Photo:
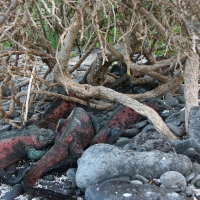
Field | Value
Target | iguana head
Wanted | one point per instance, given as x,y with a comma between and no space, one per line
46,136
42,137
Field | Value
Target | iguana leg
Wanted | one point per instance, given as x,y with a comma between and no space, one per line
35,154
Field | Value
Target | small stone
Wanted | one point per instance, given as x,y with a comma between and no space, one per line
177,130
195,179
174,119
170,100
180,90
181,99
122,141
182,116
189,177
148,127
71,173
189,191
6,127
136,182
174,188
130,132
48,177
173,178
165,113
140,178
156,182
127,147
14,192
141,124
196,168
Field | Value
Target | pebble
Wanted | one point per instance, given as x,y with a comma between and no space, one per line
130,132
14,192
165,113
136,182
172,178
175,129
182,116
189,191
174,119
189,177
156,182
181,99
141,124
6,127
149,127
180,90
195,179
170,100
140,178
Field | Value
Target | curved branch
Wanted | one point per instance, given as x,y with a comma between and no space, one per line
107,93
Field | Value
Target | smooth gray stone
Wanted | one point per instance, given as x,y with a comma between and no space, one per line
103,161
194,123
122,141
125,191
180,89
182,116
6,127
181,99
148,127
172,178
170,100
175,129
189,191
189,177
130,132
141,178
174,119
196,168
14,192
165,113
141,124
195,179
136,182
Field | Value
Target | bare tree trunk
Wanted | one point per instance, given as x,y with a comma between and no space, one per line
191,84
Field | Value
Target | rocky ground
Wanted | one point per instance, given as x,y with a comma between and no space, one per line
141,164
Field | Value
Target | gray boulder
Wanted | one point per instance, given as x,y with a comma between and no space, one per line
124,191
103,161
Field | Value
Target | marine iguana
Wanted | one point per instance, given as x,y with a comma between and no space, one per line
76,134
120,120
15,144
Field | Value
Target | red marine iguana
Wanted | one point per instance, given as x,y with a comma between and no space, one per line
76,135
14,146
